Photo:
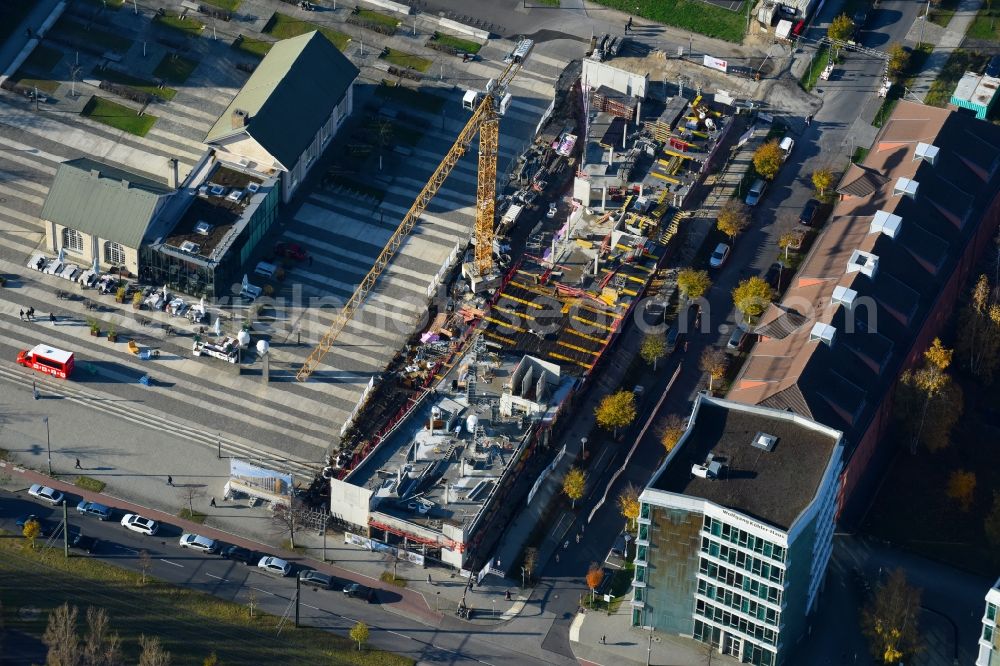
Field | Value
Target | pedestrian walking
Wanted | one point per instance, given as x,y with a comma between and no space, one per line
212,503
22,314
506,595
629,28
565,544
604,640
52,318
809,120
31,313
78,466
170,480
429,581
578,538
34,390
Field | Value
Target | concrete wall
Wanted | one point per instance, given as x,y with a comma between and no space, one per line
596,74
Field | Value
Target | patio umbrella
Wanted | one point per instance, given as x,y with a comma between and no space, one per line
164,292
97,266
218,327
246,282
62,255
201,306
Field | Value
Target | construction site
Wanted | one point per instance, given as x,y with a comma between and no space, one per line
460,426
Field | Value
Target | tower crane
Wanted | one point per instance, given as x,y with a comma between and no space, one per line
486,121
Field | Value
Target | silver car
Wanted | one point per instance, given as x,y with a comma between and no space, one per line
198,542
756,192
274,565
46,494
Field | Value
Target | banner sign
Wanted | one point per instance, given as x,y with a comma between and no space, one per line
715,63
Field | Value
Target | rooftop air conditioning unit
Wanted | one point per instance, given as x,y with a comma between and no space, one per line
822,333
926,152
885,223
202,228
188,246
905,186
763,441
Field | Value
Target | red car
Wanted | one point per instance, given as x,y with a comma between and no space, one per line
291,250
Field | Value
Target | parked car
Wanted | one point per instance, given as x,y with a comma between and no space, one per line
756,192
786,145
808,214
719,256
136,523
274,565
993,66
240,554
317,578
46,494
673,335
94,509
358,591
85,543
738,338
198,542
777,276
44,530
552,211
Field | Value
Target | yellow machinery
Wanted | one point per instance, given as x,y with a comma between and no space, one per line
486,121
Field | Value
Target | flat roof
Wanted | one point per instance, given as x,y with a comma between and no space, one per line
966,87
771,486
57,355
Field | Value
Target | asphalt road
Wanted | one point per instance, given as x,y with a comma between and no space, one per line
448,643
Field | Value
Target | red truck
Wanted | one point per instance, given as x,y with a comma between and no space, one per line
49,360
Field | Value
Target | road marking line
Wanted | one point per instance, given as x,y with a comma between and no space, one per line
225,580
308,606
260,590
173,563
396,633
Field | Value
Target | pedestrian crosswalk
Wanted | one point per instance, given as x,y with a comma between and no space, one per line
342,232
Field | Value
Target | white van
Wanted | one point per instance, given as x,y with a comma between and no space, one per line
786,146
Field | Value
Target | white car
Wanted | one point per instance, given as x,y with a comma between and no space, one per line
46,494
553,209
137,523
719,256
275,565
198,542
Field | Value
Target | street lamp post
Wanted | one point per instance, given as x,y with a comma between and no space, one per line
583,447
494,609
48,443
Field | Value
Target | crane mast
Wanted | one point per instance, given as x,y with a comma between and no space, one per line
486,121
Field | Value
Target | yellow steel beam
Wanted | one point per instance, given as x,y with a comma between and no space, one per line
486,191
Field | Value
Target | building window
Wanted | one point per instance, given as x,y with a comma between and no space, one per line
987,633
644,511
114,253
640,554
72,240
991,611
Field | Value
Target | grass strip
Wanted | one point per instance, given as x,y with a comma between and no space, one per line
46,85
108,41
184,24
114,76
457,43
378,18
410,98
42,59
228,5
255,47
407,60
189,624
118,116
175,68
986,26
816,66
282,26
193,516
88,483
693,15
942,13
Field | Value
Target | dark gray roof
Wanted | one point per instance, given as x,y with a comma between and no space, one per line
771,486
289,96
859,181
103,200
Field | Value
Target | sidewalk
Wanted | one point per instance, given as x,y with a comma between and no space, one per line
14,46
948,40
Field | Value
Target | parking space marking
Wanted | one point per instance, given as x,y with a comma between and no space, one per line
173,563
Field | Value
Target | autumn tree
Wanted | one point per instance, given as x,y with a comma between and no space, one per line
767,159
693,284
616,410
60,637
101,646
530,561
890,619
673,428
751,297
899,59
978,343
822,180
595,574
733,218
991,526
152,653
32,530
628,504
962,488
211,660
713,361
786,241
574,483
359,633
841,28
928,403
653,348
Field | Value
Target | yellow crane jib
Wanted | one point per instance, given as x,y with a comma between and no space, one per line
485,120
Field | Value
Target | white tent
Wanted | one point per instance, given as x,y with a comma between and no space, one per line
62,255
218,327
97,266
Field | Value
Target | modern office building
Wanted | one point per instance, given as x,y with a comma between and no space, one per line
989,641
736,529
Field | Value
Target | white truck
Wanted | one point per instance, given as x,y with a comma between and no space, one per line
225,349
510,217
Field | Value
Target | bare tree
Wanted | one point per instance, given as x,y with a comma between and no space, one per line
145,564
101,647
530,560
289,520
153,653
61,638
188,495
251,601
